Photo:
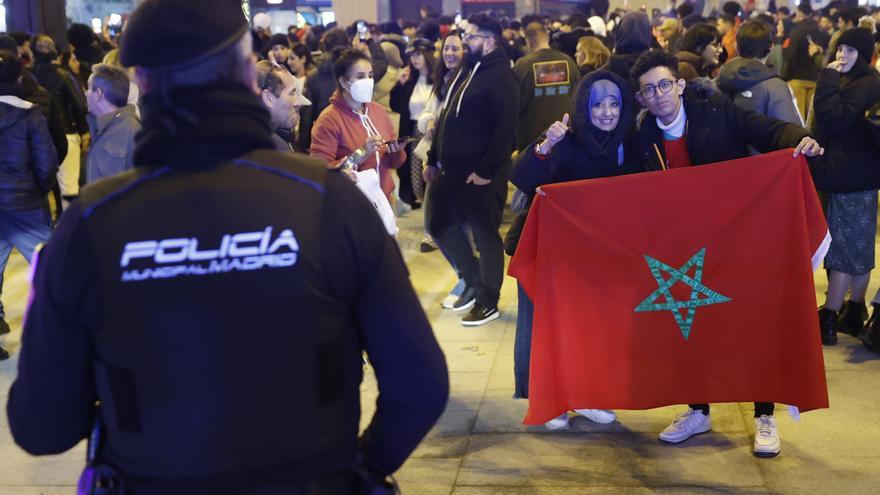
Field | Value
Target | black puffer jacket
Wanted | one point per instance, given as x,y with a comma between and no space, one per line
28,162
66,91
717,130
850,163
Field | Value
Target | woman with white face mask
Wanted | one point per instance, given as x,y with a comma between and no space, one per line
353,132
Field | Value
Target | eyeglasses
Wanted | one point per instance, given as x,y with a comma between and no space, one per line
663,87
265,85
468,37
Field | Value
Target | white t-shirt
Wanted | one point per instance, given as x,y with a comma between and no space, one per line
419,99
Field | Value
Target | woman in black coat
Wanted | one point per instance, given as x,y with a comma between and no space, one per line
845,90
586,144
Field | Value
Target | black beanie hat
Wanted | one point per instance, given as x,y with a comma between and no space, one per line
861,39
278,39
168,33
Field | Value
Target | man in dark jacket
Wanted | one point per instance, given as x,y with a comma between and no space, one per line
469,164
30,90
633,36
64,88
801,68
27,172
750,83
684,127
142,296
547,79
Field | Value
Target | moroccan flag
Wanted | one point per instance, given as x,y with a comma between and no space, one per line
692,285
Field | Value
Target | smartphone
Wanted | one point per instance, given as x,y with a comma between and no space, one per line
402,141
362,30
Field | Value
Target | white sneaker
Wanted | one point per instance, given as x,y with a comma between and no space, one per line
560,423
600,416
766,437
686,425
449,301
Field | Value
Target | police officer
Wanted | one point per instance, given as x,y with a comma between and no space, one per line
216,299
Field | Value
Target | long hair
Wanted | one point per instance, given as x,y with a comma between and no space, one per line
440,70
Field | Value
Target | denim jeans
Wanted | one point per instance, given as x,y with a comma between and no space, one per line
23,230
522,344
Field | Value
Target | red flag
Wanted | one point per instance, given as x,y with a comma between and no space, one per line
691,285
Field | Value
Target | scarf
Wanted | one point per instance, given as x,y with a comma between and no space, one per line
199,126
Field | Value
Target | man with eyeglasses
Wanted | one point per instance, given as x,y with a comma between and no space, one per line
470,163
688,126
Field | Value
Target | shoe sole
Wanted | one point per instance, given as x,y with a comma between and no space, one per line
465,307
598,421
766,455
674,442
561,428
830,342
483,321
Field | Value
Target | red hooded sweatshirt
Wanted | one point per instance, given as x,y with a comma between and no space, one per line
340,130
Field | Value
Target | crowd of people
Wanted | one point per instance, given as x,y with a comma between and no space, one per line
437,114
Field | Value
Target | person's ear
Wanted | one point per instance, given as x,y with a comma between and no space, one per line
641,100
680,84
268,98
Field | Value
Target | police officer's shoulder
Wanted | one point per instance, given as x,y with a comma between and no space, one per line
297,166
103,190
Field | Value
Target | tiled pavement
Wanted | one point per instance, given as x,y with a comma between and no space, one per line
480,446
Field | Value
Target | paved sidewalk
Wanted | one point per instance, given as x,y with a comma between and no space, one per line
480,446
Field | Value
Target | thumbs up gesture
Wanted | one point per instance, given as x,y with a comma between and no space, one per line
554,134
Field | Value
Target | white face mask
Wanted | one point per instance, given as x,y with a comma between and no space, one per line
362,90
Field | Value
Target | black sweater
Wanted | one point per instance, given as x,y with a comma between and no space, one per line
478,127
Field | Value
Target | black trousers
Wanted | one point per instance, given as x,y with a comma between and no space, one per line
450,203
761,408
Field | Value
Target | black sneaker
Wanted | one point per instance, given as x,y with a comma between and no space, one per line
4,327
871,334
466,300
480,315
3,354
828,326
427,245
852,318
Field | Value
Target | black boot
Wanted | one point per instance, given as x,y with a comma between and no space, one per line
852,318
871,334
827,324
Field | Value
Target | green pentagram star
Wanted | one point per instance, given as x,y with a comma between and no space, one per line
685,323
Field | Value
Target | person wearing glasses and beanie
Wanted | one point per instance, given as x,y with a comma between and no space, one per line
686,126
